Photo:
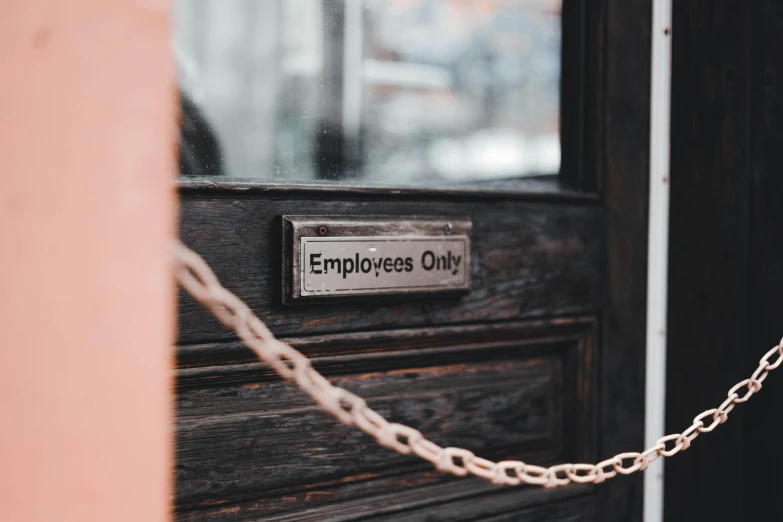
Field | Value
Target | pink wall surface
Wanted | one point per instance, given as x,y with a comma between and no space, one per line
87,213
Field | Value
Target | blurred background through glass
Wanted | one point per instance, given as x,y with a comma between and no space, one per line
374,91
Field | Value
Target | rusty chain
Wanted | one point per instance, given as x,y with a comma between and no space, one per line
198,279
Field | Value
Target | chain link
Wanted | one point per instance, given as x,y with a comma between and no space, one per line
198,279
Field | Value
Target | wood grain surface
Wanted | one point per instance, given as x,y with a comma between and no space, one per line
512,391
529,260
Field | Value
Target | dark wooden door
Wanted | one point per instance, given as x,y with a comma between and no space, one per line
726,267
542,361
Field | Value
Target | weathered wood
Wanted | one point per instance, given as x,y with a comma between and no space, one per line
529,260
242,434
540,251
281,439
574,94
549,505
593,71
626,142
543,188
453,500
707,321
364,344
763,459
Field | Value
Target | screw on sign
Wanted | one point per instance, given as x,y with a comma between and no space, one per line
198,279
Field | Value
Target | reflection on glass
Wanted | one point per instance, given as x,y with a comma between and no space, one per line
387,91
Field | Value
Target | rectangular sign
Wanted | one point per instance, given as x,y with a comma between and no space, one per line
336,257
366,264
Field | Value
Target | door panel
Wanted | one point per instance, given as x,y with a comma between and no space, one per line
453,367
543,360
725,263
530,259
506,391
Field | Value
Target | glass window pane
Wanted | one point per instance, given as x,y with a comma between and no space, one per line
377,91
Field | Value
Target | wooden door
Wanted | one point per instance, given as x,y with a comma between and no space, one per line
726,268
542,360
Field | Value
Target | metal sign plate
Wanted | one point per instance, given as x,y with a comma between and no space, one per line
340,257
350,265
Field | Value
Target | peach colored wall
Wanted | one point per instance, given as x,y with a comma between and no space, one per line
86,299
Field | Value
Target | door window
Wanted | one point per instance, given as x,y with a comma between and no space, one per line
391,92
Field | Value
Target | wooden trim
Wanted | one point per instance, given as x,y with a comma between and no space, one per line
574,94
624,156
547,188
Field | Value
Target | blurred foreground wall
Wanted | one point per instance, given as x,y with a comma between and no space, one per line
86,214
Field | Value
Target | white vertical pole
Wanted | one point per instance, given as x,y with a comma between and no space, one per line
658,251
